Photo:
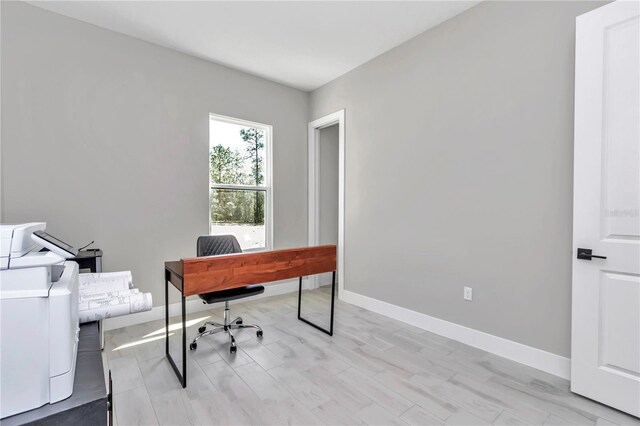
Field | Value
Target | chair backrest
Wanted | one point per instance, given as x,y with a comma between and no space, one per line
213,245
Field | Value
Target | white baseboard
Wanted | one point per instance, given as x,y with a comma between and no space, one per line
192,305
536,358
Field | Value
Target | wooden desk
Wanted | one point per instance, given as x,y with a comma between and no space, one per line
200,275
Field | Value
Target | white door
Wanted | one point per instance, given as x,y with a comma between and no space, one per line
605,346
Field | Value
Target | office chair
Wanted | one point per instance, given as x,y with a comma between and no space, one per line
215,245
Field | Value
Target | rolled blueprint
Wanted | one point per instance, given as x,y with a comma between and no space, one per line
111,294
110,281
83,297
95,310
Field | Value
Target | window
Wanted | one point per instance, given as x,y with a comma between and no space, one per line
240,181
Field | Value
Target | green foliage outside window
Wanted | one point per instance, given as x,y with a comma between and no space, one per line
228,167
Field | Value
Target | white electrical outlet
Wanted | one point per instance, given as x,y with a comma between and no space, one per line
468,293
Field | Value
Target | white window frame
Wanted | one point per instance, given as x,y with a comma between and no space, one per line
268,178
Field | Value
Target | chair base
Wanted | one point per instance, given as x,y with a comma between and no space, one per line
227,327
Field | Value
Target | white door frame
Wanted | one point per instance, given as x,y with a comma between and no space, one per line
314,193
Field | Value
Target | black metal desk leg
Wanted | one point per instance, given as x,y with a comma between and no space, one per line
181,376
299,296
184,342
333,300
166,315
333,293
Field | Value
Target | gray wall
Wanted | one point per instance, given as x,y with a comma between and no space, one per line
105,137
459,153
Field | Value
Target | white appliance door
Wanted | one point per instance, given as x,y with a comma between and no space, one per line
605,346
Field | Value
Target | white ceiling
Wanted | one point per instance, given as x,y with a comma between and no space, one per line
303,44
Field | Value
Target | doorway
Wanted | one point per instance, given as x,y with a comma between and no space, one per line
327,188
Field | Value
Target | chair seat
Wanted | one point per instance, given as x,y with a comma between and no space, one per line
232,293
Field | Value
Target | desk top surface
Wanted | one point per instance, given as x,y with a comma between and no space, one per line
213,273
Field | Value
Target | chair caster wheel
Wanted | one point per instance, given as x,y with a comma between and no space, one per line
233,349
239,322
193,346
259,333
202,329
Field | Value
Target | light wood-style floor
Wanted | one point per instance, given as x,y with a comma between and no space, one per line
374,371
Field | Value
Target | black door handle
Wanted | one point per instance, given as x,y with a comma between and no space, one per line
585,254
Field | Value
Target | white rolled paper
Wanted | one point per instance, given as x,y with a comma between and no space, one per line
111,294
